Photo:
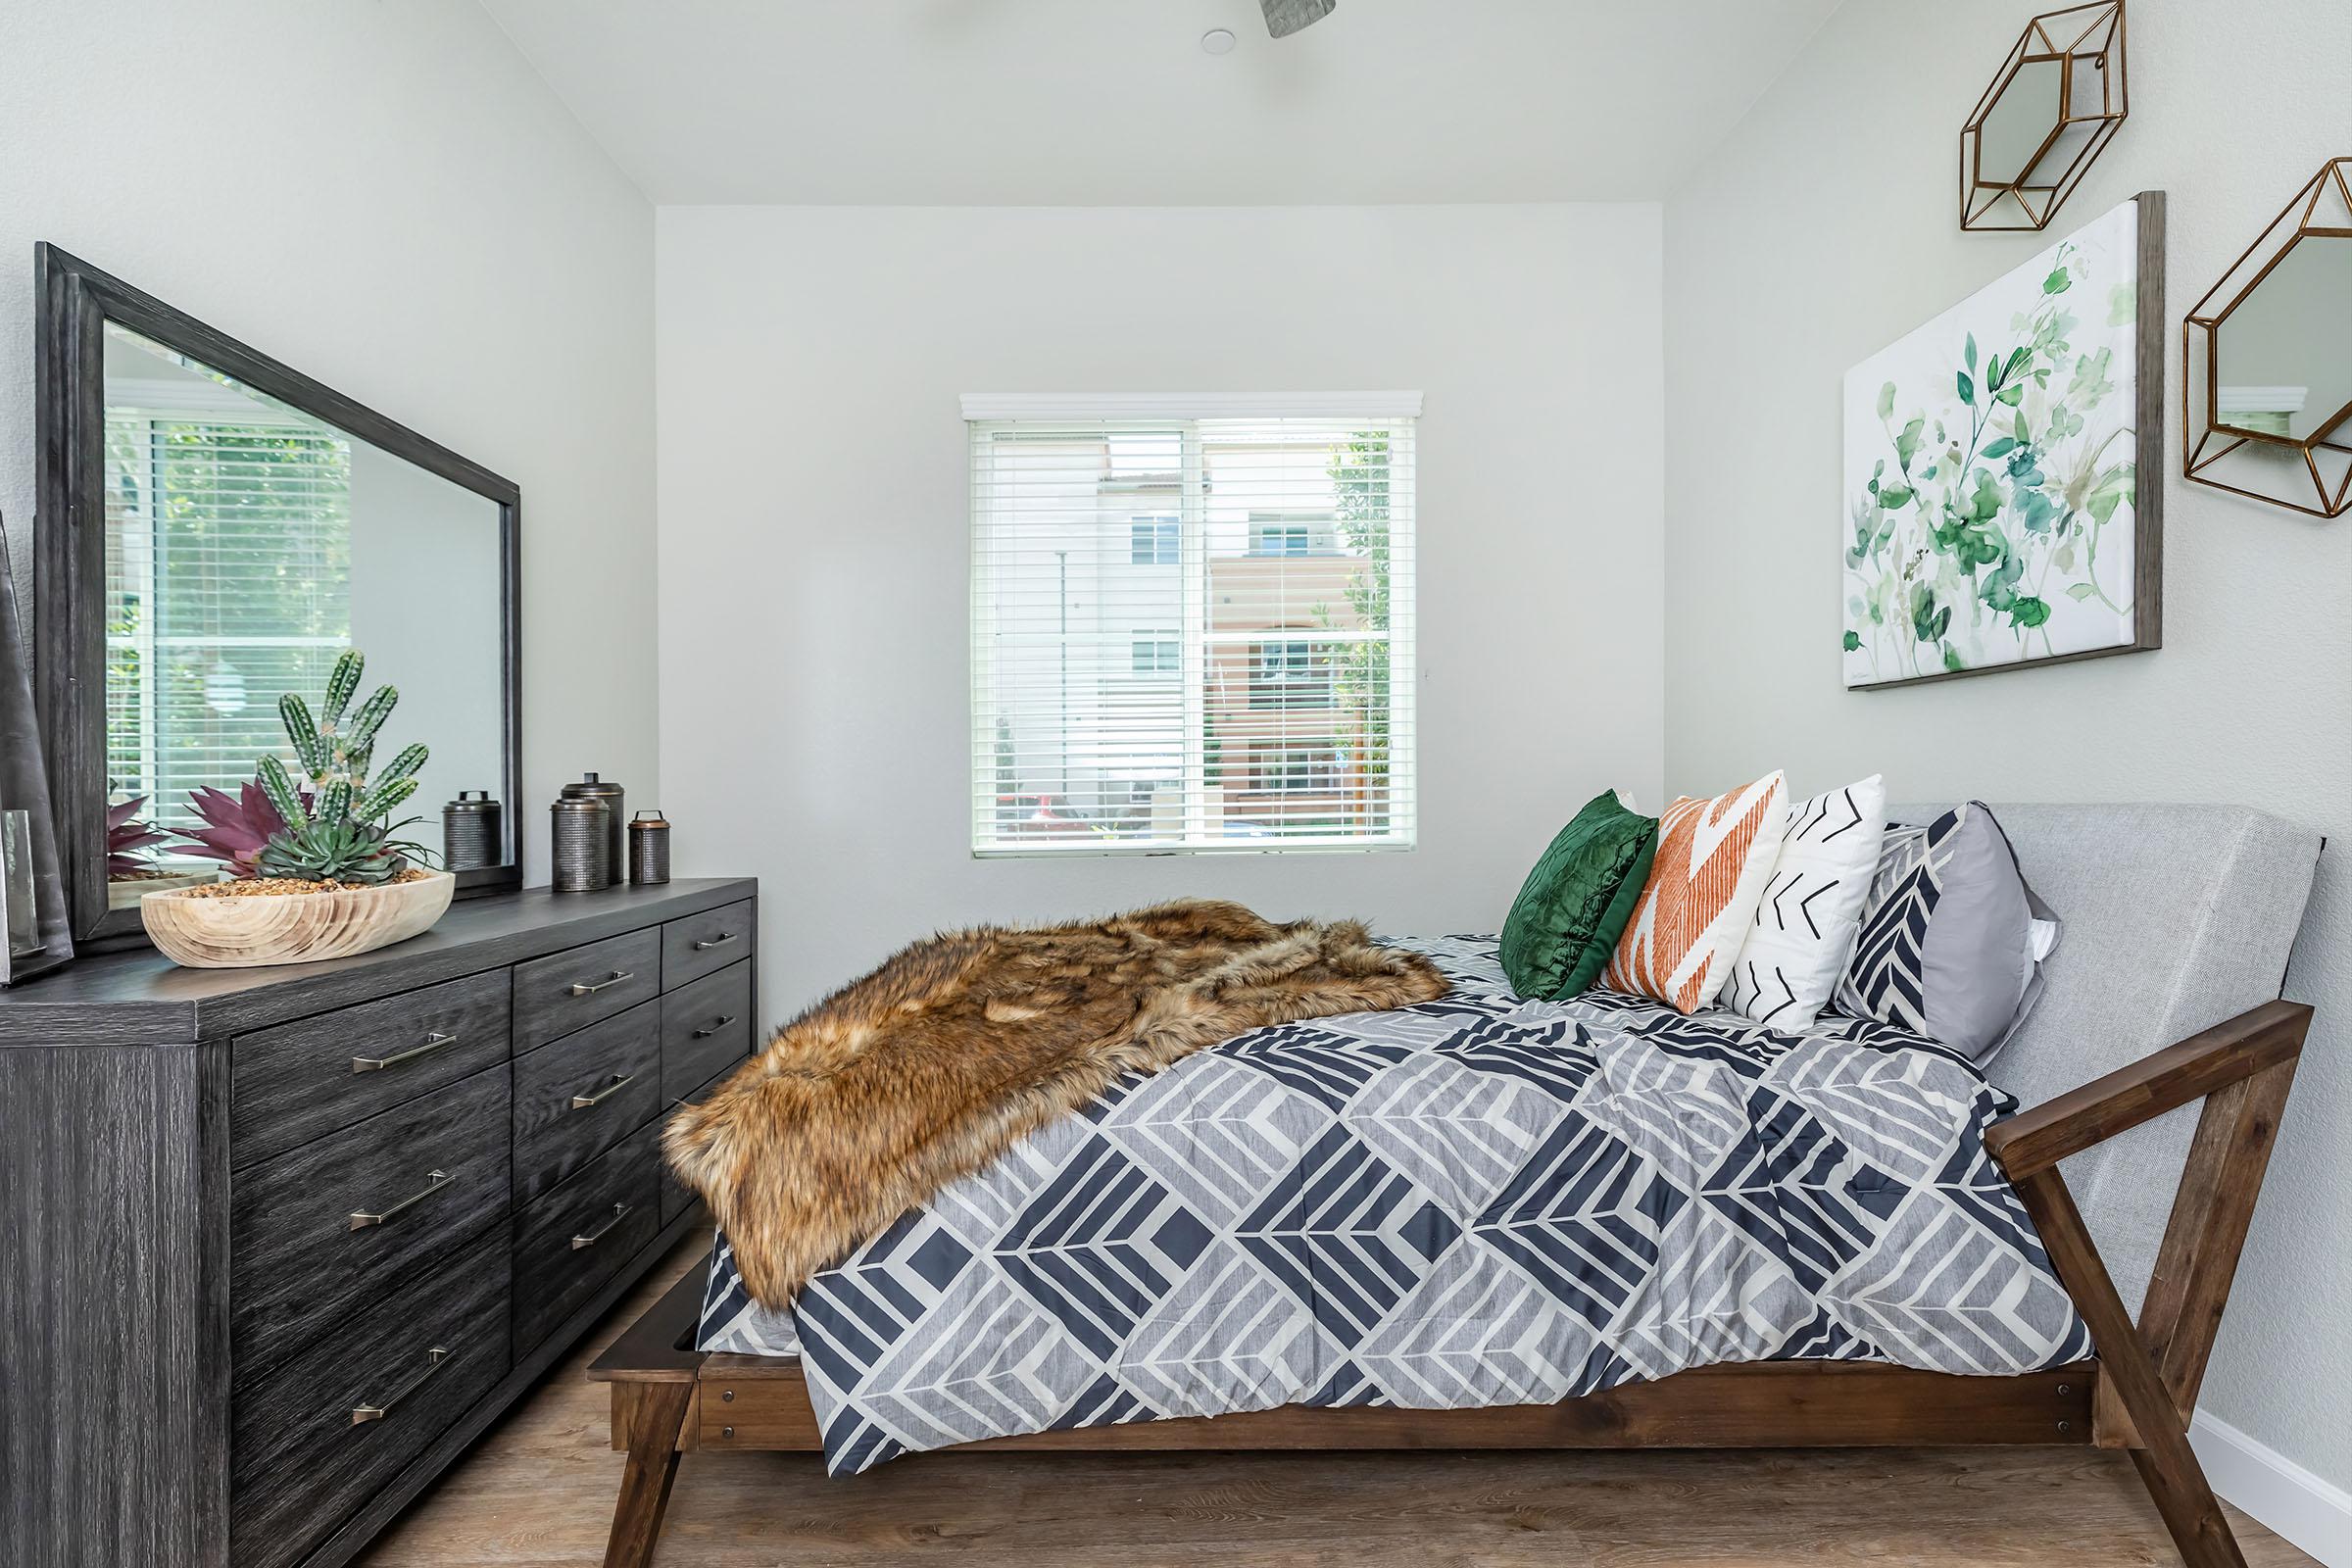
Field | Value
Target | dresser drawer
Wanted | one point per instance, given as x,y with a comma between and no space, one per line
696,946
290,1084
676,1196
578,1098
580,1235
706,1028
327,1230
567,990
307,1453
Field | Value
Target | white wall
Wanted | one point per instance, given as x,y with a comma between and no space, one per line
386,197
815,529
1825,229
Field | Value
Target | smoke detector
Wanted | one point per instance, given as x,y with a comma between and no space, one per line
1217,42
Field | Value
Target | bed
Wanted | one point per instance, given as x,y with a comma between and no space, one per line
1468,1203
1489,1223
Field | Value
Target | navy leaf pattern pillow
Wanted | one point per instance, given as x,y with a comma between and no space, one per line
1949,946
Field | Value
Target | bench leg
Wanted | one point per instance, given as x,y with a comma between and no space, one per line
2160,1448
658,1417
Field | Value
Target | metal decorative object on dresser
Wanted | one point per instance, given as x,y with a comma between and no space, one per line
281,1243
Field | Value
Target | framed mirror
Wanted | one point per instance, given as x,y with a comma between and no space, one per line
2056,102
214,529
2268,382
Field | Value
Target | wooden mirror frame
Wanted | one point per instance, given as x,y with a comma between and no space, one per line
74,303
2229,457
2093,33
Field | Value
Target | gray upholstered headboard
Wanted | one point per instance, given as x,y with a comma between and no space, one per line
2176,918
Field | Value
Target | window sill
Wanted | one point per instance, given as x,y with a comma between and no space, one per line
1080,850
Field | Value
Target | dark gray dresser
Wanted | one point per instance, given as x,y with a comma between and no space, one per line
275,1244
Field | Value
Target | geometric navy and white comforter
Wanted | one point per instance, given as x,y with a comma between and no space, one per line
1473,1201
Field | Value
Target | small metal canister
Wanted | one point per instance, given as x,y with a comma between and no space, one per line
649,848
582,844
473,831
593,788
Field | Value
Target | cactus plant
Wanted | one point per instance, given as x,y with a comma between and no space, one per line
334,826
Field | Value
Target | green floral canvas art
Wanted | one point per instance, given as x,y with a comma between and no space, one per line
1991,472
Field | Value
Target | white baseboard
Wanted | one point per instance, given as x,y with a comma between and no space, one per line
2312,1512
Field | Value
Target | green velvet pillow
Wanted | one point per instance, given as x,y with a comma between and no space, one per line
1576,902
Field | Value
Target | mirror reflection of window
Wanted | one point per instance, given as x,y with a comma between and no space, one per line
228,574
247,545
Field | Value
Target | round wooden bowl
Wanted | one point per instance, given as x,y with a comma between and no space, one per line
292,927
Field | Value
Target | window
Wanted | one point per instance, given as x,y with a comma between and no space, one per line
1290,674
1292,536
227,582
1309,770
1158,654
1153,541
1256,697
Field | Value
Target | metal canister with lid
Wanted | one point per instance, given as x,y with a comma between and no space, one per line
473,832
582,844
595,788
649,848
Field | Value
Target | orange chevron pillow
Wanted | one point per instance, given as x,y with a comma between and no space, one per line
1713,861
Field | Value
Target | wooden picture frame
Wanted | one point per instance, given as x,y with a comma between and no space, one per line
1963,415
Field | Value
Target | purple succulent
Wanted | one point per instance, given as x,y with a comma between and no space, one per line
237,827
125,837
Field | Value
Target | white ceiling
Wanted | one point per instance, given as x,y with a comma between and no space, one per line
1104,102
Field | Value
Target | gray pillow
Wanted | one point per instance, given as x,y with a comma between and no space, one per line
1951,938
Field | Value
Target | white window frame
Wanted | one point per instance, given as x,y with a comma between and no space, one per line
1372,408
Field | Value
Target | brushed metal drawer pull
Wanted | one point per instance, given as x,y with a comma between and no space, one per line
440,1178
720,941
437,1357
597,1097
588,1238
704,1034
432,1042
582,988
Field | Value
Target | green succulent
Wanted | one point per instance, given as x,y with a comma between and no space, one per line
334,817
350,853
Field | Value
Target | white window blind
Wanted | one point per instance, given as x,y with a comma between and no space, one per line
227,582
1192,633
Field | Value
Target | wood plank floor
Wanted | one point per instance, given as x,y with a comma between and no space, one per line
538,1491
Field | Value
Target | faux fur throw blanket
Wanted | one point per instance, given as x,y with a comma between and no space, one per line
957,1048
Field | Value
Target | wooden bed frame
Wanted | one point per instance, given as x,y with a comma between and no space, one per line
2137,1395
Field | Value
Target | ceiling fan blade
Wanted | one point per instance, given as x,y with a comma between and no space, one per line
1285,17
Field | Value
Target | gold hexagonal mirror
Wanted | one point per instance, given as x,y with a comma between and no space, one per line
2267,360
2054,105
